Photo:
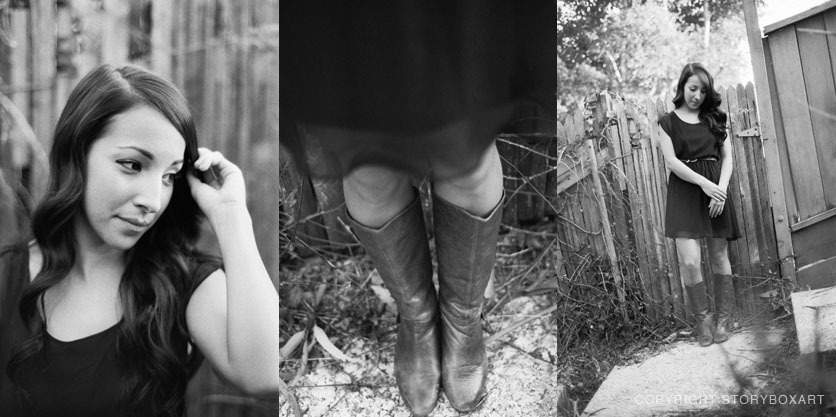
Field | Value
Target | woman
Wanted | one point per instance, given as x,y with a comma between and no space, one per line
693,142
110,309
396,92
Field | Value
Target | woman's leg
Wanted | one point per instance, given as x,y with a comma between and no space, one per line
375,194
718,250
386,216
477,192
690,268
466,214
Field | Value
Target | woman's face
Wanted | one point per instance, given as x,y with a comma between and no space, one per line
130,178
695,91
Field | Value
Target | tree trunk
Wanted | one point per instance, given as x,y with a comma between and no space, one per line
706,13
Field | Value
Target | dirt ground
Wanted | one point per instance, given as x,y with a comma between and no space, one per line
345,299
781,372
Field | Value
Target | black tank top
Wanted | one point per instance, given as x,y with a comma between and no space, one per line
77,378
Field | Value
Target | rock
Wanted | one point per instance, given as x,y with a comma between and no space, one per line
815,319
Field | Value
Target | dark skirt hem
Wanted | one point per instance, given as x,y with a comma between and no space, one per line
687,235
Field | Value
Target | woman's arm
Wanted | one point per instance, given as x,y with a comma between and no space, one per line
233,316
715,207
727,165
684,172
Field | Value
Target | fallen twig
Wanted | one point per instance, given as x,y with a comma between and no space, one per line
513,326
291,399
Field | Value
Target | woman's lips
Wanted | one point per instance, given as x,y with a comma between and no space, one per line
135,222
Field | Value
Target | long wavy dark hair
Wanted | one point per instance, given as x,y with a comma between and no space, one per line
710,113
152,342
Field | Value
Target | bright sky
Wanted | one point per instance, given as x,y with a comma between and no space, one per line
775,10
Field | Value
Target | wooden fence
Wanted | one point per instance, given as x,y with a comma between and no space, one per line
624,135
223,55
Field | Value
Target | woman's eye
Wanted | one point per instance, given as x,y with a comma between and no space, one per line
130,164
171,177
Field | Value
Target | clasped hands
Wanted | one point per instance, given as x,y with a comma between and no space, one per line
718,198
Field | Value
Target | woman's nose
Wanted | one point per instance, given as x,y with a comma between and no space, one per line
149,196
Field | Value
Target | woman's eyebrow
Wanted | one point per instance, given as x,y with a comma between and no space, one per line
147,154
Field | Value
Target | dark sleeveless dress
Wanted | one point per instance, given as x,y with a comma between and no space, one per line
77,378
399,82
687,214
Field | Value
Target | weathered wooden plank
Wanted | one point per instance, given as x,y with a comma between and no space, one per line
636,211
751,161
775,149
815,243
670,245
746,207
592,219
263,154
742,267
746,120
615,177
658,172
651,218
795,113
653,226
668,257
213,68
799,16
180,13
815,62
43,69
816,248
570,214
162,40
770,251
818,275
244,75
607,235
116,32
19,73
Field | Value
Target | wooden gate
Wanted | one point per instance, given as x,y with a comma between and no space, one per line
799,54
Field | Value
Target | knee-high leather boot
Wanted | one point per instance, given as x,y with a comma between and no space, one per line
705,322
723,302
401,254
466,248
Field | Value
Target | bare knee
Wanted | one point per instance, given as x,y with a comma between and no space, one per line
719,253
375,186
374,195
477,190
688,254
690,266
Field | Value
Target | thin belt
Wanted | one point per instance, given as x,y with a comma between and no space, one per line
689,161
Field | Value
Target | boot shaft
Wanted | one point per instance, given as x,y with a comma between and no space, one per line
466,250
724,297
698,298
401,253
